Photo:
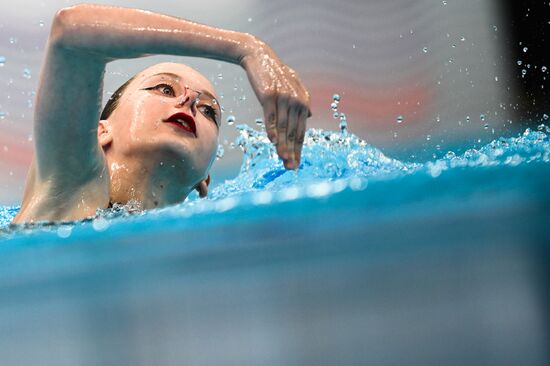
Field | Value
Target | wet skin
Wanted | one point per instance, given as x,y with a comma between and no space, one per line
81,165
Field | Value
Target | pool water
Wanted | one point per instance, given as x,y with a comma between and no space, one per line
332,162
349,259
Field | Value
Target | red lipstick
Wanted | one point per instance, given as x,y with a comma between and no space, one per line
183,121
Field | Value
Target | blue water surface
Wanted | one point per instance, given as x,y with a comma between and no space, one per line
334,164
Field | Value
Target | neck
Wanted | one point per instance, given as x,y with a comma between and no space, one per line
148,184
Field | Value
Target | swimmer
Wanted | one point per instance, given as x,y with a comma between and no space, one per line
157,136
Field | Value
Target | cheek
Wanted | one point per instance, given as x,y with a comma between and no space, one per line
144,118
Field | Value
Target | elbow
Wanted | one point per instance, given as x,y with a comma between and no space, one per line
63,20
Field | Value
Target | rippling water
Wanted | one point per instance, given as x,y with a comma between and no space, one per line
332,161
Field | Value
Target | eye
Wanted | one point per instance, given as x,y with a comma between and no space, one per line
165,89
209,112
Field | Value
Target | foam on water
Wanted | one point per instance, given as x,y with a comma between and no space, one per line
331,162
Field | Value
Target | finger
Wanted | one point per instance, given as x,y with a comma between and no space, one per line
300,135
293,114
270,116
282,125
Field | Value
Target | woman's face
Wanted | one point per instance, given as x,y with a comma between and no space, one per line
168,115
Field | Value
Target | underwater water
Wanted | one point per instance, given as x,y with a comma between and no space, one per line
447,258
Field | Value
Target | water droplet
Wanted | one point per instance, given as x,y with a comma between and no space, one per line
543,69
525,49
27,73
399,119
482,117
220,152
100,224
425,49
230,119
336,98
519,62
64,231
2,61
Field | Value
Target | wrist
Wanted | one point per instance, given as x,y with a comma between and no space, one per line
250,47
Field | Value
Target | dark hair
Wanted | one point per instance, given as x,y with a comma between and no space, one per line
112,103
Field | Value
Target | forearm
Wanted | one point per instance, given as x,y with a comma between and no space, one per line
113,33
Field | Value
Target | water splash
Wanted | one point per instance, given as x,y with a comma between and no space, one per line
331,162
330,156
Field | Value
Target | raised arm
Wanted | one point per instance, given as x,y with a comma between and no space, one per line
84,38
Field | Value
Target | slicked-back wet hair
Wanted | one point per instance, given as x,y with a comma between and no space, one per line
112,103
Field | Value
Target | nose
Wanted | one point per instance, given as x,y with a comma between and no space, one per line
186,96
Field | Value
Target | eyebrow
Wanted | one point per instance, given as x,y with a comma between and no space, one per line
176,76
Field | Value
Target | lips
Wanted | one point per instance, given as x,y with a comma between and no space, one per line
183,121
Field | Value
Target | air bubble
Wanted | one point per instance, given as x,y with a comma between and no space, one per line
2,61
486,126
482,117
334,106
220,76
545,116
336,97
462,38
525,49
467,118
523,73
519,62
428,137
259,121
27,73
230,120
41,23
425,49
399,119
13,40
543,69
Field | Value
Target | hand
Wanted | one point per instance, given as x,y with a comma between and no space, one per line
284,98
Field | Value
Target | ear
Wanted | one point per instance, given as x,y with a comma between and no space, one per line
202,187
104,133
